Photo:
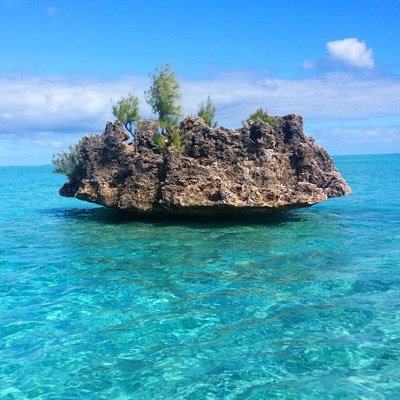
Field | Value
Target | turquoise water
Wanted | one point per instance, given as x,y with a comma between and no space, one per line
306,306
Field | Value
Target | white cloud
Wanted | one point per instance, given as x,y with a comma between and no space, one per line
358,140
352,52
365,135
332,97
54,144
77,105
30,103
56,111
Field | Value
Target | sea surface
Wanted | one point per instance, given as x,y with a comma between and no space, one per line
303,306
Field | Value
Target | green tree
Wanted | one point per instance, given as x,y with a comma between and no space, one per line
127,111
161,142
173,137
207,113
261,114
163,96
68,163
177,140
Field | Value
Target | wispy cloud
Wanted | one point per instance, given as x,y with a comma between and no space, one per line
66,104
358,140
51,111
30,103
331,97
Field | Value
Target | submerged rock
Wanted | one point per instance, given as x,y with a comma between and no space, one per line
260,168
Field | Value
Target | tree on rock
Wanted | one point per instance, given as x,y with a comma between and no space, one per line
127,111
68,162
207,113
261,114
163,96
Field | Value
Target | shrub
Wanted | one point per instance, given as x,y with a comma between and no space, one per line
177,140
161,142
164,94
127,111
170,135
68,163
262,115
207,113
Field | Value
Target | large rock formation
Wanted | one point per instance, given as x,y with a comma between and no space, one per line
255,169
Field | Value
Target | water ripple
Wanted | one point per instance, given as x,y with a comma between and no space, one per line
304,306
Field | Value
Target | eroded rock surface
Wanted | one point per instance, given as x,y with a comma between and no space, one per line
259,168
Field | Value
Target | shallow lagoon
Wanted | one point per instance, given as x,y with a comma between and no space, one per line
304,306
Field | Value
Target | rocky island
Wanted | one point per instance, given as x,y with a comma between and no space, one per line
260,168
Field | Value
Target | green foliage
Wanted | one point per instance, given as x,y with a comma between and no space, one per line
166,127
207,113
67,163
261,114
161,142
170,134
177,140
164,94
127,111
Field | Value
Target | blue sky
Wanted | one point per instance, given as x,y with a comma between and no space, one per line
337,63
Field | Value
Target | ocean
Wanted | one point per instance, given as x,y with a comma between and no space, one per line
301,306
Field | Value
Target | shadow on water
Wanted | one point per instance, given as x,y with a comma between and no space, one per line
107,216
